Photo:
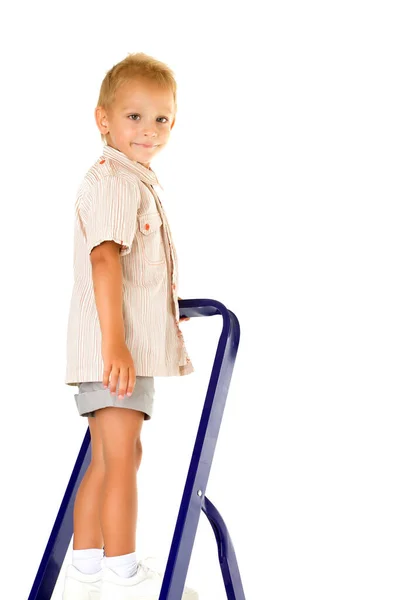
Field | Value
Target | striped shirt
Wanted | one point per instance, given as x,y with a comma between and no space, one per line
119,199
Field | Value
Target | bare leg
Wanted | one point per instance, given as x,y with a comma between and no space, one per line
120,430
86,515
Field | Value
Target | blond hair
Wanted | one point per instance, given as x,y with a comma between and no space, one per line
135,65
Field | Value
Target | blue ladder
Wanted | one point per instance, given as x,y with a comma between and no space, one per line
193,500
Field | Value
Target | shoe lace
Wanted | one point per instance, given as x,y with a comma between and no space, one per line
151,563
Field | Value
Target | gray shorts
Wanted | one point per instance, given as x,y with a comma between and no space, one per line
92,396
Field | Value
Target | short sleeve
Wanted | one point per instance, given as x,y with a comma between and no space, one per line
112,213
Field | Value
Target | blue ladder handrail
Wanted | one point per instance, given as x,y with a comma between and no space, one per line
193,500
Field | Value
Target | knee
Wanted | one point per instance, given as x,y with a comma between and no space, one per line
124,455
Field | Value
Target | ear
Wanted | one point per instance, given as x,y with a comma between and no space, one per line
101,120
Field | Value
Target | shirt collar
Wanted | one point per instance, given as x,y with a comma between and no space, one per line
146,175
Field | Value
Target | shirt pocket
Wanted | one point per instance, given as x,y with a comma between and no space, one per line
150,238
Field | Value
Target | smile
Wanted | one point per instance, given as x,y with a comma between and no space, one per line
146,145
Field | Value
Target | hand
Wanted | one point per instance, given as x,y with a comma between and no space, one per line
118,363
183,318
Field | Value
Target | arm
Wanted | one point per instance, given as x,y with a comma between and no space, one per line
107,283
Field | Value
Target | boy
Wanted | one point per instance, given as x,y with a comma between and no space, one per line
123,326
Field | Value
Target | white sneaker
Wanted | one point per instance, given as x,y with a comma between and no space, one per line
81,586
144,585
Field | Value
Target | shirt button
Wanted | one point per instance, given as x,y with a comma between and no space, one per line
147,226
102,161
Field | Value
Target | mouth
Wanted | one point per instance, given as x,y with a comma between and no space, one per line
146,145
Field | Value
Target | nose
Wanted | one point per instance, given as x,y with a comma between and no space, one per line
149,131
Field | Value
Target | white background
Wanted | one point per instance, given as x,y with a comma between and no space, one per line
281,188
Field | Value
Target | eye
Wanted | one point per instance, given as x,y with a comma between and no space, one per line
136,115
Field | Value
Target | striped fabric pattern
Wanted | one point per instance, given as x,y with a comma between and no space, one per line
119,199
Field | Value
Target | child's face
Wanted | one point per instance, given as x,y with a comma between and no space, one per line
142,113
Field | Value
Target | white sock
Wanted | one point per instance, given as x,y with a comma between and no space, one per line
88,561
124,565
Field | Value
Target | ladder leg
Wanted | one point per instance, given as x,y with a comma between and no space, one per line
194,499
227,557
61,534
